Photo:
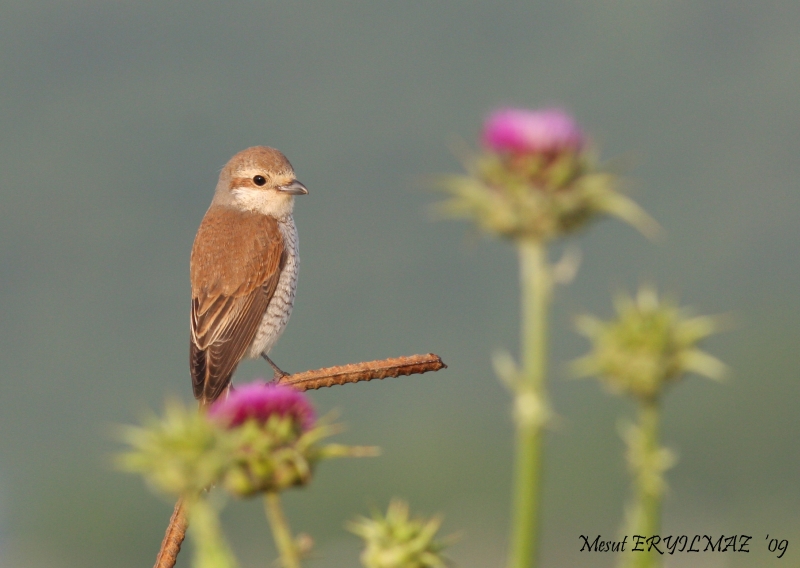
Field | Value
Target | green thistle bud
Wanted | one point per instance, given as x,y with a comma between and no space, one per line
396,541
650,344
271,456
181,454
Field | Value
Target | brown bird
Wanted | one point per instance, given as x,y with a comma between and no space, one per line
243,268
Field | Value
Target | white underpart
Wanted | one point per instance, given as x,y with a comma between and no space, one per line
265,201
280,306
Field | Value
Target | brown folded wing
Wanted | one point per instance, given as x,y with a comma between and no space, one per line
236,262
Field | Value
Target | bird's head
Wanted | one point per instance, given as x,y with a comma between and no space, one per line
259,179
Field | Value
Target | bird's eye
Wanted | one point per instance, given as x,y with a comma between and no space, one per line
259,180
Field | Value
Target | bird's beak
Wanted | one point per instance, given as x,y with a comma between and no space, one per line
294,188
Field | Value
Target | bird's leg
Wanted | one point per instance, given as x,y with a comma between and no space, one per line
277,373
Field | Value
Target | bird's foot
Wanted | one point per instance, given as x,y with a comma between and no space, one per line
277,373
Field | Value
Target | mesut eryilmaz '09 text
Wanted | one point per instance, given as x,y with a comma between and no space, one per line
683,543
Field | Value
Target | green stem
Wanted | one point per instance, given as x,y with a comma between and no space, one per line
280,530
536,284
530,404
650,482
211,549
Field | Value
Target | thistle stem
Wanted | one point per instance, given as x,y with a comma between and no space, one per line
280,530
530,404
648,482
365,371
212,550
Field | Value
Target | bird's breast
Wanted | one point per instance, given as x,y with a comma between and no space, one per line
280,306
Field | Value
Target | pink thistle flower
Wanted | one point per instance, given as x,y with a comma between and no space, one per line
544,131
260,401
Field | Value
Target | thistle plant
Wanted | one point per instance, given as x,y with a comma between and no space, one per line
535,181
398,541
262,439
184,454
273,441
650,345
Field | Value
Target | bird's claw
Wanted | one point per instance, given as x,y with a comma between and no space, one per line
277,373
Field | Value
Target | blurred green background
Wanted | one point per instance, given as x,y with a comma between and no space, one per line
115,118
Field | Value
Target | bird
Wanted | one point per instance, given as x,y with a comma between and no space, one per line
243,269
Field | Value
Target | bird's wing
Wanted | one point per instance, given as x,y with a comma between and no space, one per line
236,262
